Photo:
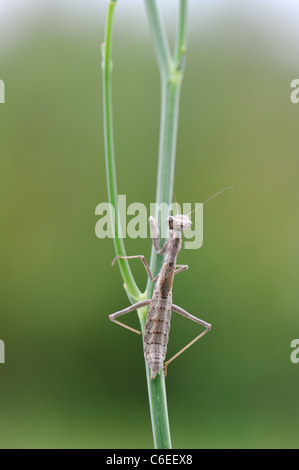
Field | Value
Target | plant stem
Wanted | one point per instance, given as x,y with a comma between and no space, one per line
106,47
181,37
169,118
171,72
159,36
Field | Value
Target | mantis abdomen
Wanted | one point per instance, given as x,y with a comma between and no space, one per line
156,332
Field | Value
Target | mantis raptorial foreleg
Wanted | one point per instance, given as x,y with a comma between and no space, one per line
145,263
188,315
156,236
142,303
182,267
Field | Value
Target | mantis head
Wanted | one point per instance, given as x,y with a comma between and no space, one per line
179,222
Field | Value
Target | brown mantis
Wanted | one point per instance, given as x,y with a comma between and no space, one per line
157,326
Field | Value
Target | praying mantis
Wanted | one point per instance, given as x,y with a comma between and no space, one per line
157,326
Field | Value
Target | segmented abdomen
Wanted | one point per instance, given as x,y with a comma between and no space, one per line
156,332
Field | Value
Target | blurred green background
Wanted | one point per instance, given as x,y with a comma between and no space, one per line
72,378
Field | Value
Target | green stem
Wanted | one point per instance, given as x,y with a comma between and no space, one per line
130,285
165,177
159,36
166,163
180,49
171,71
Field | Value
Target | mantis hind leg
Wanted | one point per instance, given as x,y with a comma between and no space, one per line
113,316
188,315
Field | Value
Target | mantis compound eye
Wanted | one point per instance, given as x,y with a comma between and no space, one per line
170,222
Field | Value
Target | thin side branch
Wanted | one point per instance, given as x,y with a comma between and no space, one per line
106,49
159,37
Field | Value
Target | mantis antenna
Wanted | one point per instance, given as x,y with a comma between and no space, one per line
212,197
176,203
